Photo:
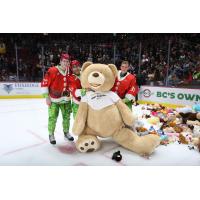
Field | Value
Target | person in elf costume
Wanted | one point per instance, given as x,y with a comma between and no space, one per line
55,87
125,85
75,86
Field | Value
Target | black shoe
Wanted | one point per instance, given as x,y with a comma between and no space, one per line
52,139
68,136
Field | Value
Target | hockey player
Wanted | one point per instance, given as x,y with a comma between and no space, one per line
75,86
125,85
55,86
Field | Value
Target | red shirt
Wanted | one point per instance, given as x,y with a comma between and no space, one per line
56,84
75,84
126,86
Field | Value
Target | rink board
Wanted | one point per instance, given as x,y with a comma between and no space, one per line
10,90
168,96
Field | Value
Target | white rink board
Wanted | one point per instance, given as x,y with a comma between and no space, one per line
178,96
21,88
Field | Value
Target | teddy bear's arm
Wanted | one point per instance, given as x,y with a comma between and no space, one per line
80,120
126,113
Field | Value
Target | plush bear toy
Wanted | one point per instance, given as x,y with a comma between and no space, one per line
102,113
190,116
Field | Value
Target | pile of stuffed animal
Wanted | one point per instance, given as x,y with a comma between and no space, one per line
180,125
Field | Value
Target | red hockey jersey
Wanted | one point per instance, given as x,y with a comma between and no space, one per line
74,86
56,85
126,86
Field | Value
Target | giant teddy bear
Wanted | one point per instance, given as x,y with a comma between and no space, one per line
102,113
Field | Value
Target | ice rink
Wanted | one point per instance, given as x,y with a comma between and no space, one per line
24,141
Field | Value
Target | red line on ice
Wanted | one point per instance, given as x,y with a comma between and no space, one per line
37,136
21,149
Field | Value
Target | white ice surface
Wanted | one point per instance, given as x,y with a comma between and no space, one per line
24,141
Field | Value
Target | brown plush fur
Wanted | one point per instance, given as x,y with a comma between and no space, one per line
196,142
178,129
109,71
172,124
190,116
182,139
109,121
141,129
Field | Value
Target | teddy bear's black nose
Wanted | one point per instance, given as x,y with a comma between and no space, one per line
95,75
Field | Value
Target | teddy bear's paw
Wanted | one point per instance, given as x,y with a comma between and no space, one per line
87,144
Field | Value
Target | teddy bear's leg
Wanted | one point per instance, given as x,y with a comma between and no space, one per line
143,145
87,143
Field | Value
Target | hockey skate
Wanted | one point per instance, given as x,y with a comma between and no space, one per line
52,139
67,136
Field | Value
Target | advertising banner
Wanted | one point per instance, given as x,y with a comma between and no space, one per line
17,90
169,95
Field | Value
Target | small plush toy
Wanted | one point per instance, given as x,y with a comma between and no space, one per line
190,116
178,129
190,122
163,137
160,132
172,124
186,128
196,142
154,113
172,137
196,107
157,107
117,156
169,130
169,110
145,111
152,131
170,117
164,140
153,120
185,138
163,117
178,120
146,116
141,131
196,131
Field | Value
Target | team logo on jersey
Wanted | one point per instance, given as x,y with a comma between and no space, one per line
8,87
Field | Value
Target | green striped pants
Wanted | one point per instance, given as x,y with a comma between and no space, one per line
74,108
53,115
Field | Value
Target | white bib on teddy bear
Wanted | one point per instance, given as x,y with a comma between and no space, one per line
100,100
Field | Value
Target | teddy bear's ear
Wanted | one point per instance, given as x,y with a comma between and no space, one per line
85,65
114,69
